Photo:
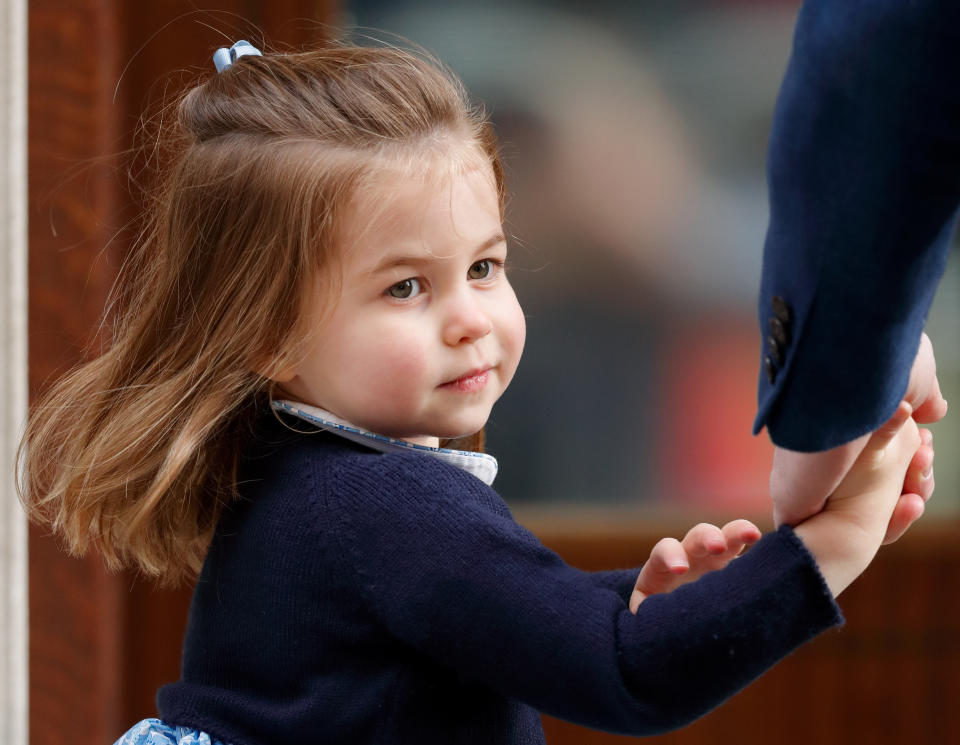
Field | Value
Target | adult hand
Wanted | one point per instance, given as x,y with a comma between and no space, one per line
801,482
923,390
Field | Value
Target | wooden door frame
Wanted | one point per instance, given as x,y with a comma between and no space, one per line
13,371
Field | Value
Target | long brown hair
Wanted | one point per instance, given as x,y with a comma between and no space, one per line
136,451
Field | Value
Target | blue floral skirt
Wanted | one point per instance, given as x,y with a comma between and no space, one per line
155,732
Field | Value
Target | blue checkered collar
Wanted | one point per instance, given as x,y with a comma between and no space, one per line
481,465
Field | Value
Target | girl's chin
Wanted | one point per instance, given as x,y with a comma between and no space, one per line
462,432
435,440
451,429
427,440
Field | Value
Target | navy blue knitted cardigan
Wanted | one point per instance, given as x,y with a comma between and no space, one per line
359,597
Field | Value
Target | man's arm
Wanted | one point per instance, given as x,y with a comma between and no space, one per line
864,178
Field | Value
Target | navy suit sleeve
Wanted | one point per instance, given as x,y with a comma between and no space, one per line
457,579
864,181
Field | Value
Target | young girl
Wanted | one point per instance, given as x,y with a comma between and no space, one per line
315,316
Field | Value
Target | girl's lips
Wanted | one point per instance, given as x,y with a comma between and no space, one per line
469,383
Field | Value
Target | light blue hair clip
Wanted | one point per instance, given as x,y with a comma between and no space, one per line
224,58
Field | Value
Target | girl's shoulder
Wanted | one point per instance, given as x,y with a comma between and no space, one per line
315,469
408,481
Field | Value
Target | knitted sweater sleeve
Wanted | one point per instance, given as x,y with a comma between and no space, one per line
620,581
463,583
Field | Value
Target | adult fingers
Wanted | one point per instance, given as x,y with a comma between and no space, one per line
887,433
923,388
933,408
801,482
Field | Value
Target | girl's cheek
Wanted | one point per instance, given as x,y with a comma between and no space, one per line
517,329
398,361
521,330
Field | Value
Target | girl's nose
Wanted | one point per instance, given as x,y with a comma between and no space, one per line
465,320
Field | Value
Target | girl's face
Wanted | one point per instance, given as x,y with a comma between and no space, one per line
427,332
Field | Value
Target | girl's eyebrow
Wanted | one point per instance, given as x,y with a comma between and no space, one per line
394,260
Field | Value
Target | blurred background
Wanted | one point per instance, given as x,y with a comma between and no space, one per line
634,137
635,140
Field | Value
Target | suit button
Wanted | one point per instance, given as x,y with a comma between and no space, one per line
781,309
771,369
779,331
776,351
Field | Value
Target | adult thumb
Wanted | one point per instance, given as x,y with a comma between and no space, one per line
889,429
923,389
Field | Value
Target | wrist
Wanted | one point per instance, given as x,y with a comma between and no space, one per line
842,547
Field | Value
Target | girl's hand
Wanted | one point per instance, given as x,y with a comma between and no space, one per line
801,482
703,549
917,489
874,487
846,535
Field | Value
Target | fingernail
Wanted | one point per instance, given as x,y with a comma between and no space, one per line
927,474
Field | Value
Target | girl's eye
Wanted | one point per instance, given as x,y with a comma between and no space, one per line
405,290
482,270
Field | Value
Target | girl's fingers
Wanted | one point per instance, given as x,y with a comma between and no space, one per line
908,509
668,558
704,548
709,547
917,489
739,535
704,540
662,572
667,561
919,478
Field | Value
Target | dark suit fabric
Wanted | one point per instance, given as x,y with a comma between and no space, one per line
864,180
